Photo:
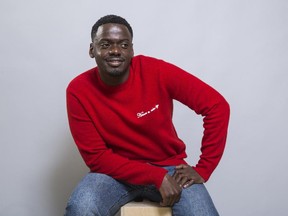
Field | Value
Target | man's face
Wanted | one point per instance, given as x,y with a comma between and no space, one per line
112,49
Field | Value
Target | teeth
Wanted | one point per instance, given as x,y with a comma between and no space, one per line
114,59
114,63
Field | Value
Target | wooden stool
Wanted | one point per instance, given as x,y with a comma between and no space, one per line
145,208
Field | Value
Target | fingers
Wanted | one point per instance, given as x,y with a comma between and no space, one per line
180,179
181,166
170,200
185,176
170,191
180,175
188,183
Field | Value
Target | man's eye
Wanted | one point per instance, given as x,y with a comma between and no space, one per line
124,45
104,45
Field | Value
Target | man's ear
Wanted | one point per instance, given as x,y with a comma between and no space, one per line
91,53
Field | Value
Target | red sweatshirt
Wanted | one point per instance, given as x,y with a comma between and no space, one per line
126,131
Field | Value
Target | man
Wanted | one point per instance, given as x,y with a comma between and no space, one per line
120,116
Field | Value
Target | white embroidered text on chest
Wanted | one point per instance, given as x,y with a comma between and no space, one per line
141,114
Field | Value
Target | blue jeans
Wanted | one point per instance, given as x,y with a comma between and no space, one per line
101,195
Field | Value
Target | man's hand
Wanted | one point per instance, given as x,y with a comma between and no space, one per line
185,176
170,191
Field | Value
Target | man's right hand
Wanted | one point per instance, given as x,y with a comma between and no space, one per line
170,191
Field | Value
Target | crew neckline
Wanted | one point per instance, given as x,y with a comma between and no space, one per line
112,88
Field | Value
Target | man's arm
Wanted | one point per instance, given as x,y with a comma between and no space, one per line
205,101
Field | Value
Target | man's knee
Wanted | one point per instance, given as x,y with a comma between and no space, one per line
195,200
96,195
83,203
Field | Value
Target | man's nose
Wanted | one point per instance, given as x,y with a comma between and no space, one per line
114,50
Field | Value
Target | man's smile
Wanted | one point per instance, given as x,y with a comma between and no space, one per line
114,61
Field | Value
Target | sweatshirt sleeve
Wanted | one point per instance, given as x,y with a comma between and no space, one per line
101,159
205,101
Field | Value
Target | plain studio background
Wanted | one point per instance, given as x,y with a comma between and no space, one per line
239,47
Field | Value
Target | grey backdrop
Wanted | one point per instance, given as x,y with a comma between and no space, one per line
238,46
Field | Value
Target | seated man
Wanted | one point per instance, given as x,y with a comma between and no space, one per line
120,116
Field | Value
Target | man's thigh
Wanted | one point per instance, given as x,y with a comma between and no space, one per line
99,194
195,201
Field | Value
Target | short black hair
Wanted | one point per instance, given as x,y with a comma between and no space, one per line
110,19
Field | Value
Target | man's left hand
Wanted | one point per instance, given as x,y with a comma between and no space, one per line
185,176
